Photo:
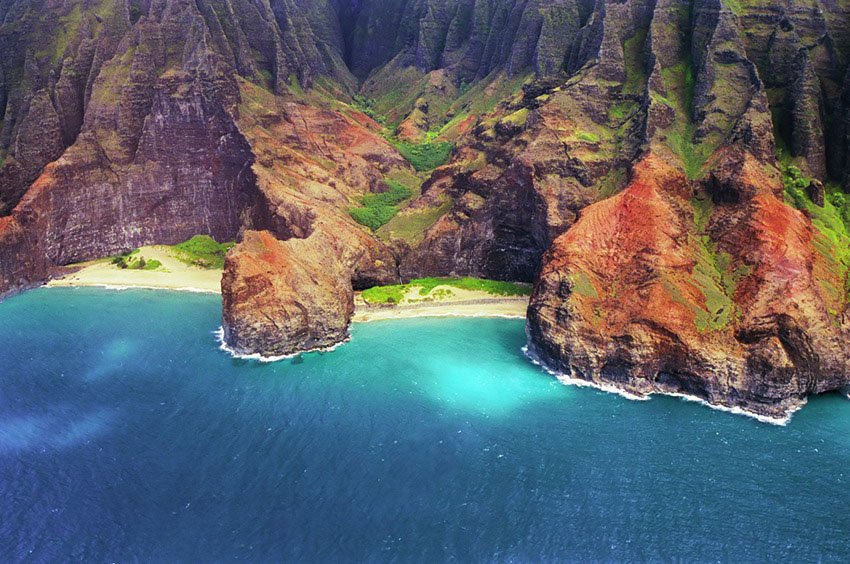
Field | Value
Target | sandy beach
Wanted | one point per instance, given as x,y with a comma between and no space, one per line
485,306
177,275
174,274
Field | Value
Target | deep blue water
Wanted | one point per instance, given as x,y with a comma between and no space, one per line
125,434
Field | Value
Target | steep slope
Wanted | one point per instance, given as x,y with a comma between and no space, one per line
713,288
312,163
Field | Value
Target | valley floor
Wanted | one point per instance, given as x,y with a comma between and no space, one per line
174,274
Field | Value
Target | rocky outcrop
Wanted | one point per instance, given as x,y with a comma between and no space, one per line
158,157
541,159
801,51
281,298
680,283
290,287
632,298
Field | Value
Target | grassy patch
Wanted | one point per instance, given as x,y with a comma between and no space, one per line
620,112
587,136
714,281
693,155
633,54
679,83
582,285
832,222
713,274
517,119
65,32
734,6
410,225
378,209
385,294
395,293
203,251
367,106
425,156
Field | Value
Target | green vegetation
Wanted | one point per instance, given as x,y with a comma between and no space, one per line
582,285
713,273
679,86
633,55
587,136
295,86
395,293
425,156
367,106
378,209
410,225
734,6
711,277
203,251
67,29
517,119
832,222
620,112
134,261
693,155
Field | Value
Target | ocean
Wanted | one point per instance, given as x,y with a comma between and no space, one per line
126,434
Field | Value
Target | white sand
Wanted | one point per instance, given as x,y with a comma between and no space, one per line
174,274
177,275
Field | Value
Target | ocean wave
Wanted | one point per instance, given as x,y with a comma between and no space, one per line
123,287
569,379
223,346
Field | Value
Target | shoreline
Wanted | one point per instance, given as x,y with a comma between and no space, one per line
173,274
484,306
179,277
570,380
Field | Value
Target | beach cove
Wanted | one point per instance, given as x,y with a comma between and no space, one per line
175,274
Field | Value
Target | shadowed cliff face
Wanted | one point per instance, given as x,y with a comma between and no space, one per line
474,37
669,173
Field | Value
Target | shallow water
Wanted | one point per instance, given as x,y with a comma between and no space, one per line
125,434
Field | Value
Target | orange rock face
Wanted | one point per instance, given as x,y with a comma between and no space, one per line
635,296
288,284
282,297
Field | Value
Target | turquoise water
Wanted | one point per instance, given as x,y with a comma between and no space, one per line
125,434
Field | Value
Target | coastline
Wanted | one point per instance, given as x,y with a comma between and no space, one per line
570,380
180,277
101,274
173,274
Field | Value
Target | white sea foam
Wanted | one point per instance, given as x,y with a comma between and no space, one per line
121,288
571,380
611,388
219,334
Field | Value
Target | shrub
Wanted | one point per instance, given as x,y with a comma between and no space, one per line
425,156
203,251
378,209
395,293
